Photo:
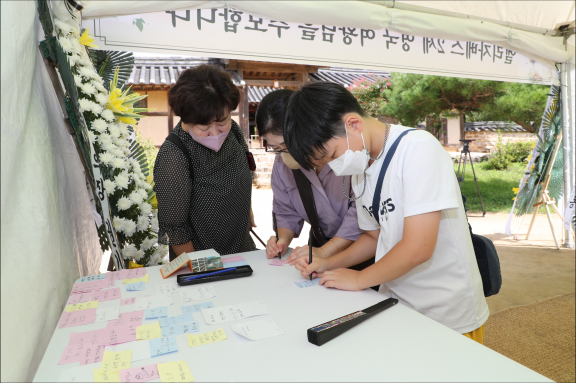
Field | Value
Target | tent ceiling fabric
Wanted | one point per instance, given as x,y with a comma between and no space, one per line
547,50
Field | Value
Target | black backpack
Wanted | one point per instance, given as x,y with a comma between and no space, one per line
488,261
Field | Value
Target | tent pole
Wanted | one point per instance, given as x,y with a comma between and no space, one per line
566,147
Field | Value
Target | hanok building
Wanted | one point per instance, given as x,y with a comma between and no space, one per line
155,76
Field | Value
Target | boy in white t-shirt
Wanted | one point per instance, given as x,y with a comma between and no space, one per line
424,253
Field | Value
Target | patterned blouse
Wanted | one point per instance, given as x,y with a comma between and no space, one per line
211,209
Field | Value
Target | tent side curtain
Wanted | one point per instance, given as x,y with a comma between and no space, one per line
547,50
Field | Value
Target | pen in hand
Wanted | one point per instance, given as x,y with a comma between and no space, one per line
310,251
276,231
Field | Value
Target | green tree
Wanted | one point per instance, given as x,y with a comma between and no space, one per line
370,94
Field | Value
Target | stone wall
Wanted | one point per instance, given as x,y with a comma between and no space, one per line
485,141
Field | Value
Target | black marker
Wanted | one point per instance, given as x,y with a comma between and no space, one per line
325,332
310,251
276,230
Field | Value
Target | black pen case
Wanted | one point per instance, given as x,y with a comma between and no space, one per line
240,272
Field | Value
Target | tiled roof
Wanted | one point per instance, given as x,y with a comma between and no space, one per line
148,71
493,126
346,76
257,93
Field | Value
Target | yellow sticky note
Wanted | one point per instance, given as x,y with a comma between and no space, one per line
174,372
206,338
81,306
99,377
115,361
136,280
149,331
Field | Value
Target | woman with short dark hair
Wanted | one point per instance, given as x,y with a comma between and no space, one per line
202,178
336,212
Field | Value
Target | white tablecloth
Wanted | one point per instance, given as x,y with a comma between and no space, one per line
398,344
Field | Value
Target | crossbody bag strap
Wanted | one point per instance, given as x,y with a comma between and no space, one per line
387,160
307,197
173,138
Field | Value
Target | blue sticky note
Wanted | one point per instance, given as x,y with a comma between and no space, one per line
90,278
197,307
158,312
173,321
138,286
180,329
160,346
306,283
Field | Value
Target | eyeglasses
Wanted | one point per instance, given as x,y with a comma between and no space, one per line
269,149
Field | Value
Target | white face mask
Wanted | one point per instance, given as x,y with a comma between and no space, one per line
351,163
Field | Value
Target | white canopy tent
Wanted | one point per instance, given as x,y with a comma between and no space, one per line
529,28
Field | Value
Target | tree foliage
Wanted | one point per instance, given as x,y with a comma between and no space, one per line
413,98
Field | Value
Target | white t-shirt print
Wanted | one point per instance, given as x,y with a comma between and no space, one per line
420,179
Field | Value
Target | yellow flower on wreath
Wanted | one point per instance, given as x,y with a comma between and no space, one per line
87,39
122,103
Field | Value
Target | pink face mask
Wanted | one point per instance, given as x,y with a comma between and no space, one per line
211,142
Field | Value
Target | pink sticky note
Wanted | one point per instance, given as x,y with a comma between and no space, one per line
125,319
232,259
139,374
71,354
79,298
128,301
77,318
86,287
133,273
118,334
277,262
84,339
106,295
91,355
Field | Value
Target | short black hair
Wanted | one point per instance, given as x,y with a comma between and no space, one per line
203,94
270,112
313,116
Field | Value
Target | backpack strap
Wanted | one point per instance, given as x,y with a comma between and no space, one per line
378,190
173,138
307,197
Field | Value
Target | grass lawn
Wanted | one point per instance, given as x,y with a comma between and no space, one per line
495,186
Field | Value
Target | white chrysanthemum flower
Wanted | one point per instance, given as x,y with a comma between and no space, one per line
62,26
117,222
78,80
147,243
123,129
100,125
88,88
120,142
107,113
104,137
110,186
96,109
85,71
138,255
114,131
110,147
99,86
154,225
146,208
102,99
122,180
91,136
75,31
77,47
106,158
155,259
143,223
129,227
73,59
119,163
124,203
128,251
147,186
123,152
85,104
66,44
143,193
136,198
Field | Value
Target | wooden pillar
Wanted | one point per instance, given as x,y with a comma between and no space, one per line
243,109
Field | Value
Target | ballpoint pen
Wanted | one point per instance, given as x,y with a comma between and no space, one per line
310,251
276,230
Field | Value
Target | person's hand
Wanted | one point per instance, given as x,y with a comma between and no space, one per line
316,268
252,222
341,279
273,247
302,251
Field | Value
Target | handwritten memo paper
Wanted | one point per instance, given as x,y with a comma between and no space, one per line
132,273
175,372
107,313
140,350
158,312
148,331
206,338
79,298
277,262
100,377
136,280
106,295
238,311
115,361
196,293
306,283
81,306
166,289
258,329
180,329
173,321
91,355
128,301
139,374
86,287
197,307
154,301
161,346
77,318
